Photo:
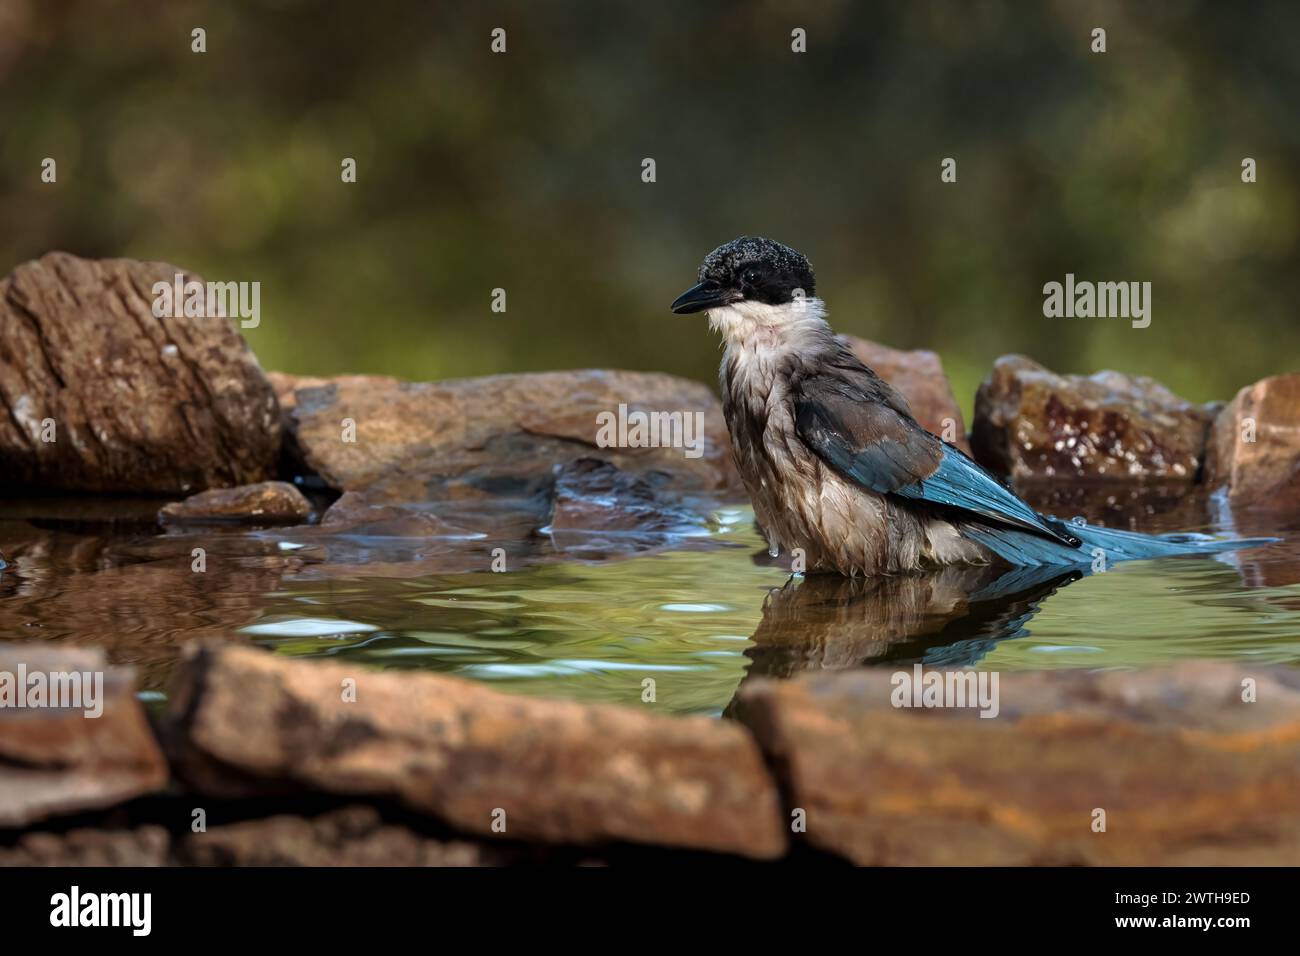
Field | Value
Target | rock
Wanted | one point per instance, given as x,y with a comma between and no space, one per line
920,377
143,846
1184,769
360,538
1254,450
1030,422
354,514
267,502
1135,505
349,836
593,495
286,385
243,721
58,760
499,435
137,404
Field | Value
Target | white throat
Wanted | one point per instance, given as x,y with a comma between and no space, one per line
755,326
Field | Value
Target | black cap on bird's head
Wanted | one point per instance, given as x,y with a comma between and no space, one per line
748,269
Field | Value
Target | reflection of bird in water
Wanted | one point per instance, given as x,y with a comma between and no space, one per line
951,617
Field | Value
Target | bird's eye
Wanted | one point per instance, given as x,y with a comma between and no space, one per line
752,276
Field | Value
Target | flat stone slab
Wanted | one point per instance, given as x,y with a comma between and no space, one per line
266,502
500,434
244,721
58,760
1177,766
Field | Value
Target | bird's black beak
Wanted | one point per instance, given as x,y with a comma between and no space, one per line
705,295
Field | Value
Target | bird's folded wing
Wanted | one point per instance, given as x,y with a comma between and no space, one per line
883,448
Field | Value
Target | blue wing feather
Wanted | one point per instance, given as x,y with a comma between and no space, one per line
859,427
960,483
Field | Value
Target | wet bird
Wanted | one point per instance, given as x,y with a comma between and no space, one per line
833,460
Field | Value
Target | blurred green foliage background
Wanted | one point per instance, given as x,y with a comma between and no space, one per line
523,171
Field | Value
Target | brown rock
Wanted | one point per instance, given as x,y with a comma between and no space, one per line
1138,504
920,377
267,502
244,721
354,514
350,836
139,404
145,846
286,385
1254,449
1031,422
498,435
1184,769
56,760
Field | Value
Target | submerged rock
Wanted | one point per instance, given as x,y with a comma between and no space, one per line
244,721
919,376
354,514
1198,763
500,435
97,394
593,495
267,502
60,760
1254,450
1031,422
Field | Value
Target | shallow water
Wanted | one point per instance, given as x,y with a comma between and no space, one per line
684,623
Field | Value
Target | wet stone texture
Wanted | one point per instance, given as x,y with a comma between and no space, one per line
1186,771
139,404
919,376
58,760
501,435
354,514
1031,422
267,502
1254,451
595,496
243,722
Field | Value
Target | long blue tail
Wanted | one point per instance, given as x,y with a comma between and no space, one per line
1096,543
